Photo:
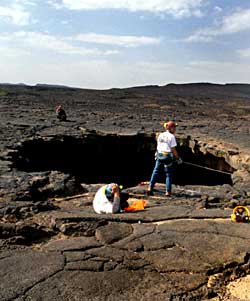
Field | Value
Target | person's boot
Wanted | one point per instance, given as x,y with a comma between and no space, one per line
150,191
168,194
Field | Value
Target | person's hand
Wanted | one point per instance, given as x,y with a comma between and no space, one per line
179,161
115,188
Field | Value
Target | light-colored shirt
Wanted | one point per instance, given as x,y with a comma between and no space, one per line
102,204
165,142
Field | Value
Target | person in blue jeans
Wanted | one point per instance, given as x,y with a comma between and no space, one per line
166,154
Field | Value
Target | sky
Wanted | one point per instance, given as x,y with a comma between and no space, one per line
102,44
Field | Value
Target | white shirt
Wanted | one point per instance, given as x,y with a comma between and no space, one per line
165,142
102,204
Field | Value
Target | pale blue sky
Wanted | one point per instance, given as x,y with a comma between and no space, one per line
121,43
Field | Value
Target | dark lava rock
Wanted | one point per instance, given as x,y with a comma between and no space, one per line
79,243
21,270
38,186
113,232
178,261
53,246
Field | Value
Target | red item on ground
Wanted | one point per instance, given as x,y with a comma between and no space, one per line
136,205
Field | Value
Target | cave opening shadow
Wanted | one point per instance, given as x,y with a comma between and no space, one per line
190,175
127,160
201,169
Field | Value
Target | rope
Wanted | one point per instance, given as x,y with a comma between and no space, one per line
196,165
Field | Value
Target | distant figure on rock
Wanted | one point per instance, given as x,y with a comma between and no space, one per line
165,155
60,113
109,199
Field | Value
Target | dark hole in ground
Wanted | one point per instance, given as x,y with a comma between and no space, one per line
202,169
127,160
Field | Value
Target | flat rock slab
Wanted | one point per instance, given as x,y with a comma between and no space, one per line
113,232
22,270
77,243
153,214
165,261
115,285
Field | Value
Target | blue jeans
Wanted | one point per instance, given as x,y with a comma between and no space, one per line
161,167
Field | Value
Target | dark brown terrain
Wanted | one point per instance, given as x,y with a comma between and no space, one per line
52,244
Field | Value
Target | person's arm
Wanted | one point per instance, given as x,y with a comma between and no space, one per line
175,153
173,145
115,205
177,157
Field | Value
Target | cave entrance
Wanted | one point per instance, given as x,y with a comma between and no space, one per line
202,169
125,159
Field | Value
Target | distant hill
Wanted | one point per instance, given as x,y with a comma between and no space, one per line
232,90
37,85
10,84
198,89
51,86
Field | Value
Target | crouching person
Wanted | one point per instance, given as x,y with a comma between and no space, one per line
107,199
60,113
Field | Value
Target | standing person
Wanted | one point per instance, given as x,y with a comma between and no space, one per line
107,199
166,153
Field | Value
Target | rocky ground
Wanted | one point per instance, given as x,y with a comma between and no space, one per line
52,244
